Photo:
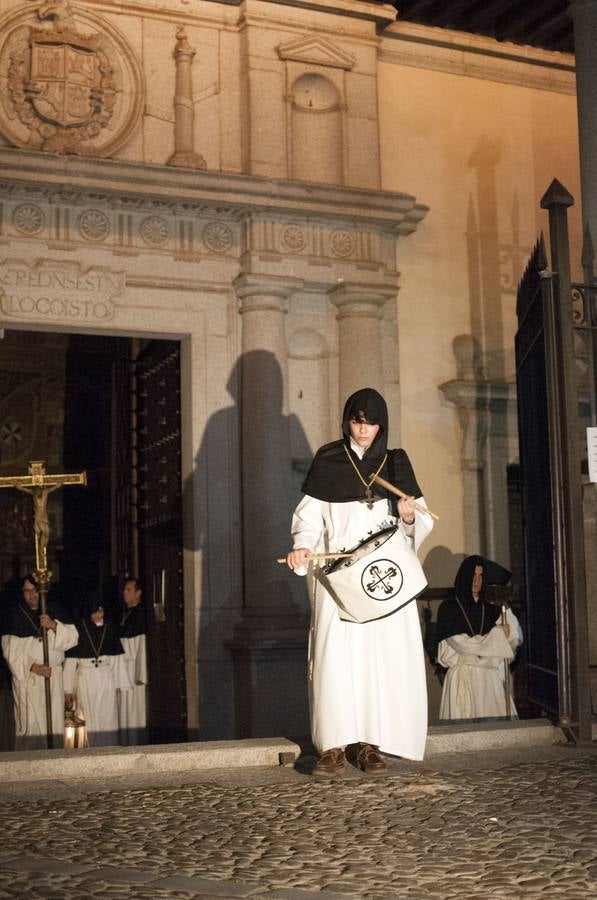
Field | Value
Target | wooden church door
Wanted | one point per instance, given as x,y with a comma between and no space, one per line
159,532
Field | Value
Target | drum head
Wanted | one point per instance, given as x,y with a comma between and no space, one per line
381,576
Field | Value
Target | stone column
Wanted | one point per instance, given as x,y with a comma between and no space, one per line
360,311
584,15
487,416
269,645
266,456
184,111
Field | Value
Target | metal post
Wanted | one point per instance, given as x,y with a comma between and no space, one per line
571,603
43,582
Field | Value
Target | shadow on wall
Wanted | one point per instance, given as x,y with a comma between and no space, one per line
441,565
226,548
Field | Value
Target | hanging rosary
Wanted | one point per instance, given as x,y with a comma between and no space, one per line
96,650
369,497
468,621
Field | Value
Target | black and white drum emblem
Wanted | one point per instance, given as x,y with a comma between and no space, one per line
382,579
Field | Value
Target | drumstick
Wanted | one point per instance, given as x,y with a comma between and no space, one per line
399,493
321,556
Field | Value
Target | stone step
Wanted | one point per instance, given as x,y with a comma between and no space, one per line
95,762
471,737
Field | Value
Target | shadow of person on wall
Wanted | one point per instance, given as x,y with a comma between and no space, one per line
213,500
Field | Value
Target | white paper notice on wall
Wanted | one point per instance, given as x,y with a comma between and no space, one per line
592,452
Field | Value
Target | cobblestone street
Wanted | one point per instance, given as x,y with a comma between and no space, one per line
459,828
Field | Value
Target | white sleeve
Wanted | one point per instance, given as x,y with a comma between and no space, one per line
69,671
16,655
515,630
140,659
66,637
122,679
307,526
483,651
423,524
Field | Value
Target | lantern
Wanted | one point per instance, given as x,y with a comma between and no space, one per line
75,735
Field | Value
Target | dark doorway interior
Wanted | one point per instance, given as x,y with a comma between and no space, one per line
109,406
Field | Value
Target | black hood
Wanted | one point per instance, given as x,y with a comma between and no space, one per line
333,474
461,614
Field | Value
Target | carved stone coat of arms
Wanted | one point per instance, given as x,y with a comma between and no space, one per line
69,89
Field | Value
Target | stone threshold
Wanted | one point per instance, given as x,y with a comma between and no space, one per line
498,735
97,762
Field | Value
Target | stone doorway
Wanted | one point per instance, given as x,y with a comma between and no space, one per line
96,403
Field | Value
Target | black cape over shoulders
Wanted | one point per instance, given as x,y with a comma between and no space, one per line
332,476
460,613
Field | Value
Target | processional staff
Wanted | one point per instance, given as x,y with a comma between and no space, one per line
39,484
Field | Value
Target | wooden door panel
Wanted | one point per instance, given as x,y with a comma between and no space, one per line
160,533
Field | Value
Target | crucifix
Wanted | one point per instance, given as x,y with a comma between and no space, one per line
40,485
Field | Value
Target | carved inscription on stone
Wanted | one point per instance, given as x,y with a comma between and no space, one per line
72,84
64,291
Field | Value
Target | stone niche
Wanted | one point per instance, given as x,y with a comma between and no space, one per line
320,121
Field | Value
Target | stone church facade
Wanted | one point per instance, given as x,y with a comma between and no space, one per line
256,180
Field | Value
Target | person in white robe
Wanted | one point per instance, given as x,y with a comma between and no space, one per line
23,650
94,670
367,681
132,703
475,646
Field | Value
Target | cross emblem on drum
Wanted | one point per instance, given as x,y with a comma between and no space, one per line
382,579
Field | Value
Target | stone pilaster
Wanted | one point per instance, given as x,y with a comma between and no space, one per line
269,646
584,15
360,311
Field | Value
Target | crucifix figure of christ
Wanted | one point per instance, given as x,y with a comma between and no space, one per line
40,485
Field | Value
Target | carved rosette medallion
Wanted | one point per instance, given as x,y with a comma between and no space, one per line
28,219
293,239
217,237
94,225
73,84
154,230
342,243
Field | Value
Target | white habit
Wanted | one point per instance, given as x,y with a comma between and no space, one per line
28,689
95,688
132,703
366,681
474,684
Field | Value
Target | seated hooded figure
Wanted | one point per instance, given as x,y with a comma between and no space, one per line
474,645
23,650
94,671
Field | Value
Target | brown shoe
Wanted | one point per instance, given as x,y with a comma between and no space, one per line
370,761
331,762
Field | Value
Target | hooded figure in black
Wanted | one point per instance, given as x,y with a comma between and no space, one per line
22,646
98,635
332,476
474,645
367,680
462,613
94,671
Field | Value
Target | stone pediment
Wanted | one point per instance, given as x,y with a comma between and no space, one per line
316,51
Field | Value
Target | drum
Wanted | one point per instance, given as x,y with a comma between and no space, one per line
382,574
